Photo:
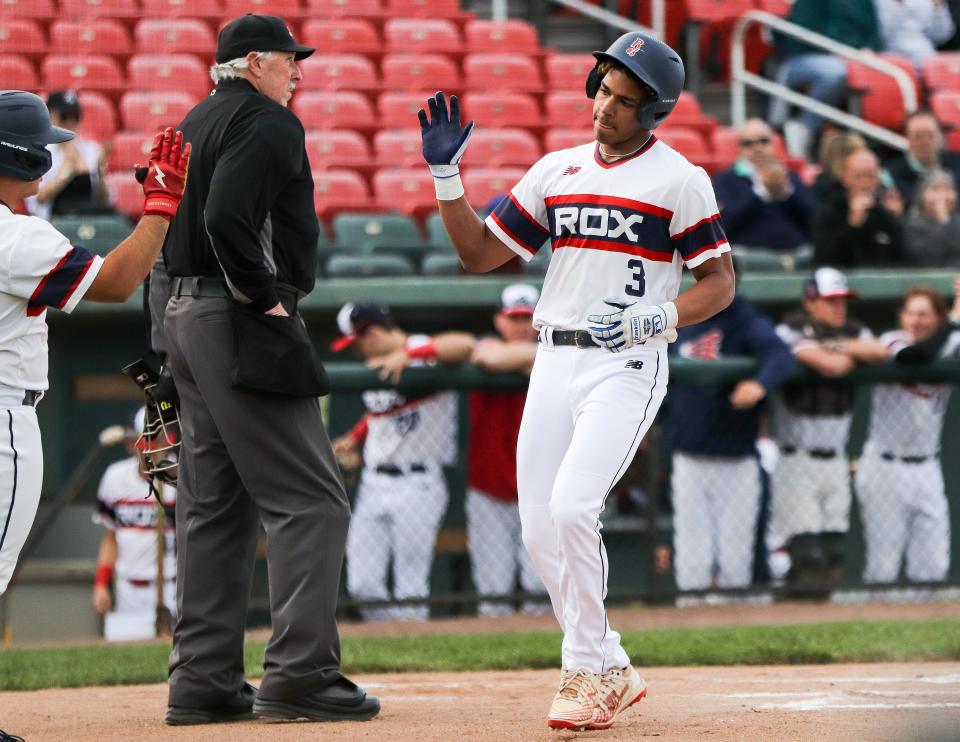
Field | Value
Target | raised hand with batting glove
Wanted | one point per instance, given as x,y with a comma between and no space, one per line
164,177
444,141
631,323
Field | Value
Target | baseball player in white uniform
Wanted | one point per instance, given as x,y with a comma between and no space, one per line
406,441
622,216
130,514
39,268
899,481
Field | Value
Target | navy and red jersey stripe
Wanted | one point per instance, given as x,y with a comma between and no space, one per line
56,288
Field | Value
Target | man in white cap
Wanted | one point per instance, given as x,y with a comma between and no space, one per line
498,557
810,504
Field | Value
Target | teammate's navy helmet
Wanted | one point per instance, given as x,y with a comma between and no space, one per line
25,129
651,61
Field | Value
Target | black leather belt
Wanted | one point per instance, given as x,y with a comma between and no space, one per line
395,471
887,456
31,398
580,338
199,286
816,453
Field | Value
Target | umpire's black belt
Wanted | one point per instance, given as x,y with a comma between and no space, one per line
887,456
579,338
395,471
816,453
210,286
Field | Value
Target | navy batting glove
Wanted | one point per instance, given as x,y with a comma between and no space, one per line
444,139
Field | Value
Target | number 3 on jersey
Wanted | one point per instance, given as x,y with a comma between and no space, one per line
639,285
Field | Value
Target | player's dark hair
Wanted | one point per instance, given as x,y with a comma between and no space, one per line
937,301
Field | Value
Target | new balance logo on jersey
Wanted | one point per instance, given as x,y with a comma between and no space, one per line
596,221
635,365
572,170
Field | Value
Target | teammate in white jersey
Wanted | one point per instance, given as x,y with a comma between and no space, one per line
899,482
622,216
39,268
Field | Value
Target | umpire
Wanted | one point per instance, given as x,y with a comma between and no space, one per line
240,255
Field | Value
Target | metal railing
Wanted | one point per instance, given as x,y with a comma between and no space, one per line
741,77
499,13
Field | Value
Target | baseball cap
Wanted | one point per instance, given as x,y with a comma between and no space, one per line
518,298
828,283
65,102
354,319
257,33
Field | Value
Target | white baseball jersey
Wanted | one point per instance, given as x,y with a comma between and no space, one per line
906,419
615,229
39,268
126,507
410,430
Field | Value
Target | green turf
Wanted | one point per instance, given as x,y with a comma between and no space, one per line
856,641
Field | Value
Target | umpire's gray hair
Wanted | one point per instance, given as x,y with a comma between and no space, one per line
230,70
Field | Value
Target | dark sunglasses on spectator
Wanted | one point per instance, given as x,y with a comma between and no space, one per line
751,142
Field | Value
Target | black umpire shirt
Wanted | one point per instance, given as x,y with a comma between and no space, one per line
247,212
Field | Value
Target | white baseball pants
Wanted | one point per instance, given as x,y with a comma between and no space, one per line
716,501
808,495
21,480
586,413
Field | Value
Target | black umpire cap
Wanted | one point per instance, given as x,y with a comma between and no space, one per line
257,33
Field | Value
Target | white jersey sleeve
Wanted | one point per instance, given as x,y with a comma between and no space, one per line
521,221
45,269
695,228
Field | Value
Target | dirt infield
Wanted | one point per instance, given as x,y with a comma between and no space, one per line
867,703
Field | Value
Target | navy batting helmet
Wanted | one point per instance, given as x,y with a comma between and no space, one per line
25,129
652,62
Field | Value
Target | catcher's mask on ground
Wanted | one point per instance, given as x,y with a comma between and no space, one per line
158,446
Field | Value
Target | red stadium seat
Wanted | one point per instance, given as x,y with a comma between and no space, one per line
337,149
348,8
502,147
421,36
420,72
498,110
399,110
209,9
688,113
424,8
99,118
510,36
152,111
91,36
342,36
946,107
99,9
125,194
688,142
777,7
340,190
942,71
81,72
18,72
483,184
181,72
881,101
129,148
21,36
338,71
566,109
398,148
334,110
502,72
286,9
407,190
568,72
39,9
174,36
556,139
711,11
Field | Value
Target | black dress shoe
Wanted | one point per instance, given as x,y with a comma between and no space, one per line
238,708
342,701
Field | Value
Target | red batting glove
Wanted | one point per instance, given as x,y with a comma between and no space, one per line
165,176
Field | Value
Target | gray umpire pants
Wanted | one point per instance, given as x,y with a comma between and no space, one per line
243,456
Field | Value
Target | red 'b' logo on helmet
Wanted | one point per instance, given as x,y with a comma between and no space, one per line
636,46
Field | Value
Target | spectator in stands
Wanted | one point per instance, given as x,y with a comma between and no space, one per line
925,152
498,557
810,487
899,481
914,28
860,225
834,147
933,224
762,203
815,72
716,480
406,441
76,184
